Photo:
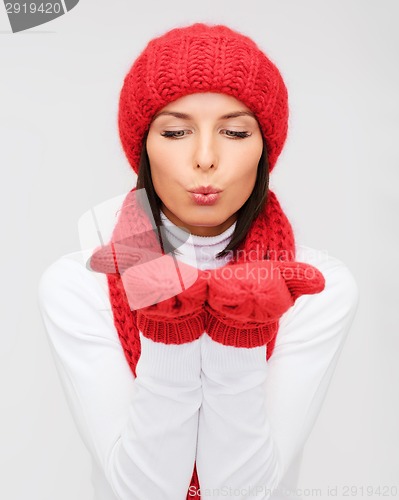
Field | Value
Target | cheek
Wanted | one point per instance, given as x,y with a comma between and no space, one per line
165,158
244,162
164,170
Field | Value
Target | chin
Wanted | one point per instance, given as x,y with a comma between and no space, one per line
206,220
199,216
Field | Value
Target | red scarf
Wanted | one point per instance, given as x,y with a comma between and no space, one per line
264,280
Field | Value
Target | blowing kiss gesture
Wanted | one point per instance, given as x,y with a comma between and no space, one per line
239,304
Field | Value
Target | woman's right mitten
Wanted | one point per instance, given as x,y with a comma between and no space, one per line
168,296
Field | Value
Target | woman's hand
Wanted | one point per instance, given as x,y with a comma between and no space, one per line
245,301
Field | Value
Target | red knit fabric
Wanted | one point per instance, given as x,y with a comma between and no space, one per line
244,305
239,304
200,58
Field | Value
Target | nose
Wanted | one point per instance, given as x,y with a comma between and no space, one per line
205,154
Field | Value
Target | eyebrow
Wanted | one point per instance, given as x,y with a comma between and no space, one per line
185,116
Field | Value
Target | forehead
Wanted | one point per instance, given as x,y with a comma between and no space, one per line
205,104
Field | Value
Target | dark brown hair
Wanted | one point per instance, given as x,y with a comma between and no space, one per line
245,215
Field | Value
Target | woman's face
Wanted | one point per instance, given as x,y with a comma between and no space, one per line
192,142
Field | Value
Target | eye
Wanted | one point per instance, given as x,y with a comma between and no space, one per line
176,134
237,135
173,134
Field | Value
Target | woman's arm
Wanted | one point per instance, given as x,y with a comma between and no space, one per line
257,415
141,431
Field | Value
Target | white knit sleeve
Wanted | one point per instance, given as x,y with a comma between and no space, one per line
256,416
142,431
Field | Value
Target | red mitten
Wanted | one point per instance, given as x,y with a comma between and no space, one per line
169,297
245,301
301,278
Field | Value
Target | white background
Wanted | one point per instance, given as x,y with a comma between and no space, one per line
336,179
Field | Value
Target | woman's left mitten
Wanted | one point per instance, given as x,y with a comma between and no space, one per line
245,301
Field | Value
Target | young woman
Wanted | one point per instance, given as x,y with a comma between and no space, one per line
196,346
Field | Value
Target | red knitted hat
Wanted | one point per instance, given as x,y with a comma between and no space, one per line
202,58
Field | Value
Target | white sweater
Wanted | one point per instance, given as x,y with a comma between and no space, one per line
243,419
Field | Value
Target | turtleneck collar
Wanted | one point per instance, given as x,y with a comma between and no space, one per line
198,250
